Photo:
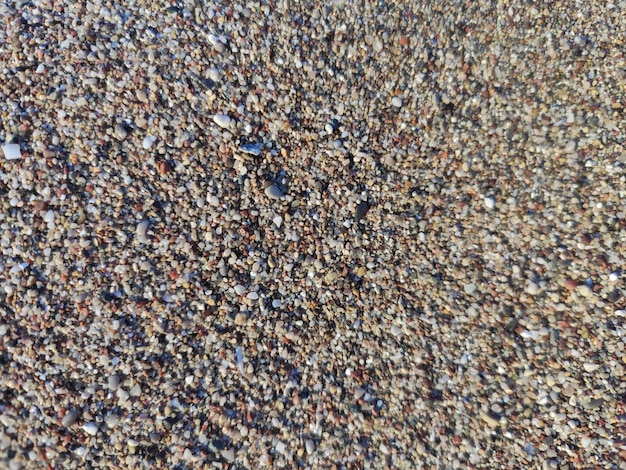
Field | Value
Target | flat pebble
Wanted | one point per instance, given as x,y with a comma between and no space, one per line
470,288
90,428
273,192
396,102
120,131
532,288
310,446
12,151
584,290
252,149
114,382
222,120
490,202
70,418
148,141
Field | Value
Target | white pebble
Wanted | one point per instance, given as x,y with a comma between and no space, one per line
222,120
490,202
590,366
470,288
49,217
253,296
239,354
121,131
585,290
310,446
148,141
280,447
613,277
532,288
142,228
91,428
397,102
396,330
278,221
276,303
12,151
239,289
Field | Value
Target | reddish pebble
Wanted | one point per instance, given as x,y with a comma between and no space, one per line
570,284
404,41
164,168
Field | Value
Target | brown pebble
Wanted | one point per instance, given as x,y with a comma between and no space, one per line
404,41
40,205
164,168
571,284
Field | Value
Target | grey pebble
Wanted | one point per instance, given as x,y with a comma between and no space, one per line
70,418
273,192
114,382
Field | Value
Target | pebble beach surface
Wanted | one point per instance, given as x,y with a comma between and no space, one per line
295,234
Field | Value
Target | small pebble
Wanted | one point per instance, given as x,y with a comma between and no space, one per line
222,120
361,210
121,131
252,149
396,102
114,382
490,202
470,288
280,447
532,288
70,418
12,151
584,290
273,192
148,141
310,446
90,428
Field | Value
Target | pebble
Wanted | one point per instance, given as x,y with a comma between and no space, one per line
273,192
148,141
252,149
121,132
90,428
310,446
70,418
470,288
396,102
12,151
396,330
114,382
584,290
222,120
361,210
532,288
490,202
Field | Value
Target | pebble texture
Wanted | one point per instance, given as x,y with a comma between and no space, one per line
431,279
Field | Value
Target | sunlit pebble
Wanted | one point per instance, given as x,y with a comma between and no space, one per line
12,151
397,102
148,141
222,120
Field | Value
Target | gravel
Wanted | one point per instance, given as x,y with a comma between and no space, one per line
312,234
